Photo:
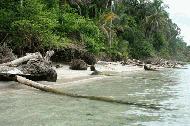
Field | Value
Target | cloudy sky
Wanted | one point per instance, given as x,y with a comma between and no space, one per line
179,11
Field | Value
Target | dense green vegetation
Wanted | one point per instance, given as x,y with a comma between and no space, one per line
118,28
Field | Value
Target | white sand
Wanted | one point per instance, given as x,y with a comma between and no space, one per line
72,77
116,67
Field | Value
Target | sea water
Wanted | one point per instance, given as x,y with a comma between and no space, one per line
170,88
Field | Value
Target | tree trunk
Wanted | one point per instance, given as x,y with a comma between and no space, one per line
46,88
19,61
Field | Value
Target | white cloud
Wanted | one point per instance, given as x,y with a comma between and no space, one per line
179,11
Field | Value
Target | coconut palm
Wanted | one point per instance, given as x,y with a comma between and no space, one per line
156,20
105,22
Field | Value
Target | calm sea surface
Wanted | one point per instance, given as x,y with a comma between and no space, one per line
170,88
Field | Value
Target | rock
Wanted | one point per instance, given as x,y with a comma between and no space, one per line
89,58
58,66
92,68
39,70
78,64
51,75
149,67
68,53
95,72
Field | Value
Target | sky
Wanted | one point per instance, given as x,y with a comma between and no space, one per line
179,11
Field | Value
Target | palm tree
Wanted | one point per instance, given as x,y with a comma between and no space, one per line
106,22
156,20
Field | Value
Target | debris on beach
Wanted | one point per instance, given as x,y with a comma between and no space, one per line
32,66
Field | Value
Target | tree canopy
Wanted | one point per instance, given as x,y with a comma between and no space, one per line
119,28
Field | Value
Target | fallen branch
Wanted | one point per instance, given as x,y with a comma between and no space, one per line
49,54
46,88
19,61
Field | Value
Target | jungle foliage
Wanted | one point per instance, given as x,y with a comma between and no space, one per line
121,28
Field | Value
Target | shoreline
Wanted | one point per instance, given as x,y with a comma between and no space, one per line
67,77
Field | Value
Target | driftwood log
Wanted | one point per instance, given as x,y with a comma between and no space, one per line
19,61
32,66
47,88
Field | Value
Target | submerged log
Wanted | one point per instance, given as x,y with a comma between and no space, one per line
46,88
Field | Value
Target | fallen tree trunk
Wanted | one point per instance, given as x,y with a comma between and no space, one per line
46,88
19,61
32,66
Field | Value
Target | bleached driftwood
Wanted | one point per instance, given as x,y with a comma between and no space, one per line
32,66
19,61
47,88
49,54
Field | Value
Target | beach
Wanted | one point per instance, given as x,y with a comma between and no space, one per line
68,77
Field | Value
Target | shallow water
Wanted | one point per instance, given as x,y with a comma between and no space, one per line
21,106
